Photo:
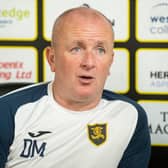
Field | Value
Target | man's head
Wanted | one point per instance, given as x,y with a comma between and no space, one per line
81,54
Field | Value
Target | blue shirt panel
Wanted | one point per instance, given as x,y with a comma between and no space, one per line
8,107
138,151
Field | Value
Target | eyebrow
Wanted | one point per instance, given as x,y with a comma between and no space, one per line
78,42
101,43
81,42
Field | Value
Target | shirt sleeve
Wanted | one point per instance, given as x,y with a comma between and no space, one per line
6,132
137,153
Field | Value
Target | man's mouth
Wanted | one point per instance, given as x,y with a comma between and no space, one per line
86,79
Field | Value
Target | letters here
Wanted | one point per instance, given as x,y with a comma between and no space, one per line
32,148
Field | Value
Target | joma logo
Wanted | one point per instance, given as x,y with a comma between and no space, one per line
32,148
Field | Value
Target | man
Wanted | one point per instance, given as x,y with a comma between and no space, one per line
72,122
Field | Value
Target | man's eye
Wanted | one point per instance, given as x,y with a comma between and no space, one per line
75,49
101,50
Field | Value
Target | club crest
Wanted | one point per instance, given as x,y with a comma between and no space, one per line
97,133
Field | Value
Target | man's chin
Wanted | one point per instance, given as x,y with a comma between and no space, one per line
85,93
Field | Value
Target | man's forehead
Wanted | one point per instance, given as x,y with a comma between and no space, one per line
90,42
81,13
77,16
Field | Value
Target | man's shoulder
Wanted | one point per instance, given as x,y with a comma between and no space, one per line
22,95
109,95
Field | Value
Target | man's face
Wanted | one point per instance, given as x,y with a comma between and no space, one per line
83,53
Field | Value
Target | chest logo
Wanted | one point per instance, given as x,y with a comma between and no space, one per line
97,133
39,133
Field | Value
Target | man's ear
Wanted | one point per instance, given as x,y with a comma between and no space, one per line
111,62
50,57
112,55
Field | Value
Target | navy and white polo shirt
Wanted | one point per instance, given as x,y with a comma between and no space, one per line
37,132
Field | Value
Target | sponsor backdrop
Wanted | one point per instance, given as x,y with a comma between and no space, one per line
140,69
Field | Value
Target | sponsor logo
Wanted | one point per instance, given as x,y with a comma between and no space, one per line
159,79
39,133
9,16
97,133
159,19
159,74
160,128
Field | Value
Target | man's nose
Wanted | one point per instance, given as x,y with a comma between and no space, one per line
88,60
